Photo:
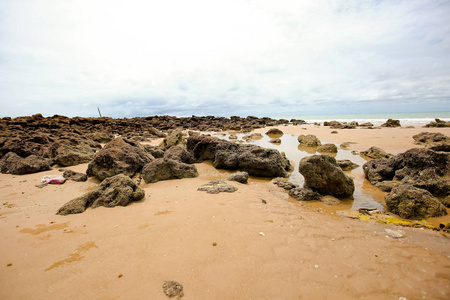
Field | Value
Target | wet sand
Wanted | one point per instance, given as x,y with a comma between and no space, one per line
224,246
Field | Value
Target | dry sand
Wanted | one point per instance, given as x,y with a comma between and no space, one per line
224,246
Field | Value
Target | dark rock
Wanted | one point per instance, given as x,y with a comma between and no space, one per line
154,151
180,154
16,165
68,155
113,191
275,132
241,177
446,201
375,152
75,176
445,147
156,132
165,169
309,140
253,159
391,123
275,141
410,202
327,148
322,174
175,138
367,124
386,186
284,183
100,137
438,123
347,165
304,194
430,137
217,186
118,156
378,170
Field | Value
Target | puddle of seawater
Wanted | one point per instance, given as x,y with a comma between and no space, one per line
365,194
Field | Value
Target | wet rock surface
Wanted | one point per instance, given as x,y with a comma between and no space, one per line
113,191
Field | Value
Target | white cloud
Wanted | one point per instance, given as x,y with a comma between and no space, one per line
244,57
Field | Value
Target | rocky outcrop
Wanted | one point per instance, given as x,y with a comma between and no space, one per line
375,152
323,175
14,164
438,123
113,191
391,123
304,194
75,176
118,156
414,203
241,177
166,168
217,186
174,138
422,168
430,138
180,154
253,159
309,140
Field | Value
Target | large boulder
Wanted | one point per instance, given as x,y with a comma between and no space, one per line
16,165
323,175
410,202
113,191
166,168
67,155
180,154
422,168
274,132
118,156
309,140
253,159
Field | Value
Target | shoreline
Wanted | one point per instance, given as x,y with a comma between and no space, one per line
212,244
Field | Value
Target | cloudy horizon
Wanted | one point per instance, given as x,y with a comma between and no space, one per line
263,58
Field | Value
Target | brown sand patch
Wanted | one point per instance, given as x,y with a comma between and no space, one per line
76,256
44,228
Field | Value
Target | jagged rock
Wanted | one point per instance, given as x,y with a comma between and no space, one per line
438,123
346,165
375,152
158,133
391,123
175,138
155,151
241,177
16,165
113,191
430,137
284,183
446,201
180,154
309,140
386,186
304,194
165,169
327,148
253,159
100,137
70,155
75,176
410,202
217,186
118,156
422,168
323,175
445,147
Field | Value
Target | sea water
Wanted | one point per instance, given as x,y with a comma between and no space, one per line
406,119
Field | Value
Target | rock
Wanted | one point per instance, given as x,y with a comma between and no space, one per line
217,186
233,137
16,165
166,168
118,156
173,289
375,152
174,138
180,154
329,200
156,132
438,123
70,155
309,140
100,137
367,124
304,194
430,137
379,170
323,175
253,159
253,136
275,141
75,176
154,151
446,201
395,234
327,148
386,186
346,145
445,147
275,132
410,202
346,165
284,183
391,123
113,191
241,177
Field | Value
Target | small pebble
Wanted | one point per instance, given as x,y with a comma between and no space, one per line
120,275
214,244
9,265
262,234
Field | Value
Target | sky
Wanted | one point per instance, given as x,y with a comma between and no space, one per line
201,57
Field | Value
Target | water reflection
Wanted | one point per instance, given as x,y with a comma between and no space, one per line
365,194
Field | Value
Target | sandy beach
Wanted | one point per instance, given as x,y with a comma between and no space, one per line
223,246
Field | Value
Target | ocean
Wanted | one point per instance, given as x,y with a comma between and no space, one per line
406,119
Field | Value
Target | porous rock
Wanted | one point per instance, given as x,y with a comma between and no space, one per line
16,165
75,176
174,138
166,168
309,140
375,152
327,148
304,194
113,191
241,177
347,165
217,186
284,183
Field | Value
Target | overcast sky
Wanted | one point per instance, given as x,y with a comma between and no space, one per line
264,58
